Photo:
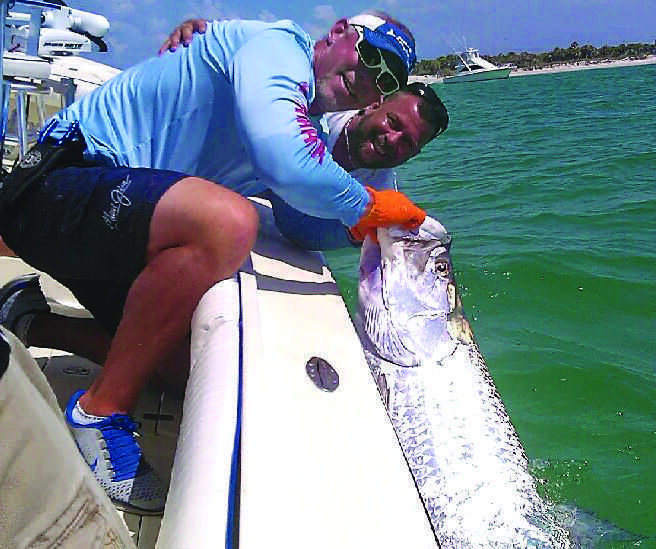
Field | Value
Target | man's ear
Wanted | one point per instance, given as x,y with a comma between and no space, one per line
338,28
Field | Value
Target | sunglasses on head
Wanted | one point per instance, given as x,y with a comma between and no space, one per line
428,94
372,58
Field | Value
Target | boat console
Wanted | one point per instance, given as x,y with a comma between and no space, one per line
36,37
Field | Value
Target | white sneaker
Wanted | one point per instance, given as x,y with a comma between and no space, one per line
110,449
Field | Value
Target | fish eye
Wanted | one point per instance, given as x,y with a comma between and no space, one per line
442,266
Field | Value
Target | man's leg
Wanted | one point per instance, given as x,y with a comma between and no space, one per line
25,311
5,251
200,233
168,238
83,337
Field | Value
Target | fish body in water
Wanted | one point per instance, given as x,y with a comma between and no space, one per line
464,453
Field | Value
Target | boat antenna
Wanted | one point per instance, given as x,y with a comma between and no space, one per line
4,91
449,43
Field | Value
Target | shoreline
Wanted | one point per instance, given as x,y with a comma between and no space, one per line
562,67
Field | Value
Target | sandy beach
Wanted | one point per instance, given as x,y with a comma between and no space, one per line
564,67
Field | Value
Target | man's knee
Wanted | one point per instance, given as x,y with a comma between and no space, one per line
219,223
240,223
243,222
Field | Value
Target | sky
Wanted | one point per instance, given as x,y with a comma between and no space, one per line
440,27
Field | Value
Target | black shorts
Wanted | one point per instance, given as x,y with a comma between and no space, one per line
88,228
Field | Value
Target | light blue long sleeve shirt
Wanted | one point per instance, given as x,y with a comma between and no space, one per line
233,108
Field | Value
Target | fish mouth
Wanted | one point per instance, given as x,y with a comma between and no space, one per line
430,231
404,299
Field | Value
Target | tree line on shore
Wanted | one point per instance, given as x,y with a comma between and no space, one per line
445,65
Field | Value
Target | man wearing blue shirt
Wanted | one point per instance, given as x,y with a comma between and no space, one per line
147,189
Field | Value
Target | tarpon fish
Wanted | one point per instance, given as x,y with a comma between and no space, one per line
464,453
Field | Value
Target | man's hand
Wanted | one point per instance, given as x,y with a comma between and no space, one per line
385,209
183,33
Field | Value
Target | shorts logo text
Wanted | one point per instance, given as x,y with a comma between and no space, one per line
118,199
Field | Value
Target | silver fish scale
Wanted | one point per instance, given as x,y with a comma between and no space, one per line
462,449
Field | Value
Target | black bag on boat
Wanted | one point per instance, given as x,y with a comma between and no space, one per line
46,155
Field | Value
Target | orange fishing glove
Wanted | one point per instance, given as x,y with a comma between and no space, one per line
387,208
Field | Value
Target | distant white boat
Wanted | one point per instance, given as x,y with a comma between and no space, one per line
473,68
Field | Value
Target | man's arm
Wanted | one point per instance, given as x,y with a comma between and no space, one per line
306,231
272,78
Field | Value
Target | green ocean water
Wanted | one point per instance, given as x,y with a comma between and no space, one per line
548,185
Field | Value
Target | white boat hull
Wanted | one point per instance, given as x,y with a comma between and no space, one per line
318,468
477,76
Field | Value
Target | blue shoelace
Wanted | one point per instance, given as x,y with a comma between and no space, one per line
119,432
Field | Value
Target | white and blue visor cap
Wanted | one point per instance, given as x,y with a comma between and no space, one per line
387,36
